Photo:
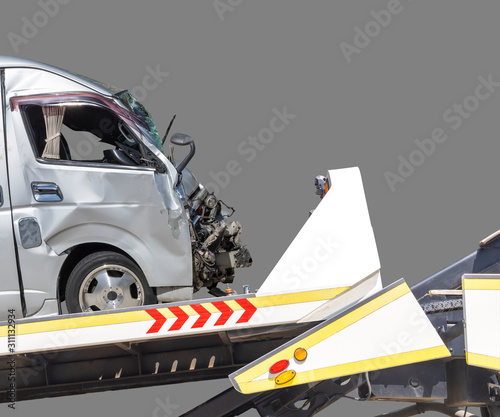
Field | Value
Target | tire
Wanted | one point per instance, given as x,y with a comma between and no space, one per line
107,281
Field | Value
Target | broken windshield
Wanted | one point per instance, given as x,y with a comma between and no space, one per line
140,111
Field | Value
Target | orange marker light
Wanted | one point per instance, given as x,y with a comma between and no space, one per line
327,188
285,377
300,354
279,366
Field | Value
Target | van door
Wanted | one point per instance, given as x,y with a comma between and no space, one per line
10,294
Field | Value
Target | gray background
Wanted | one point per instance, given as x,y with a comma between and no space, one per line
225,78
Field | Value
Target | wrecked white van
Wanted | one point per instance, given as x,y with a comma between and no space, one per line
92,211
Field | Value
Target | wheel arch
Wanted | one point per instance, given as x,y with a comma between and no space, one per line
161,265
79,252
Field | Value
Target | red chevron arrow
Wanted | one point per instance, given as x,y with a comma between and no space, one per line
204,316
225,310
181,318
250,309
160,320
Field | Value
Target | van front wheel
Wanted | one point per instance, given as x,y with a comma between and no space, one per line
107,281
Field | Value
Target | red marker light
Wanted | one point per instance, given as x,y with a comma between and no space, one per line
279,366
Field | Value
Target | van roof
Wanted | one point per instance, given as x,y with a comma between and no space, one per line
15,62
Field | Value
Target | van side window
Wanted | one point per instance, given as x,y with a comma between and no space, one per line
86,134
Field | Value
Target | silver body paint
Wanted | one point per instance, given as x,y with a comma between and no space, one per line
134,209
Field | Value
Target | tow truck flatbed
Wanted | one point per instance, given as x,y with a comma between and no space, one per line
123,365
288,350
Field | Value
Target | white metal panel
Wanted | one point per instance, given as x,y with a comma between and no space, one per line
375,336
389,329
481,293
336,246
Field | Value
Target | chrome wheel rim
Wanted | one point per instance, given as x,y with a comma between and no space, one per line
110,287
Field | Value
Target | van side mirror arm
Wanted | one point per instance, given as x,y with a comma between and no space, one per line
181,139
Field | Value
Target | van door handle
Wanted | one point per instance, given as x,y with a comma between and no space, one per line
1,196
46,192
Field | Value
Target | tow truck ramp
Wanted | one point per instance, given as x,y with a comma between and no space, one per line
396,330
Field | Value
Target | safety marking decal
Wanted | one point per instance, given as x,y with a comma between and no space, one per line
159,321
483,361
225,310
159,316
182,316
204,316
471,283
249,308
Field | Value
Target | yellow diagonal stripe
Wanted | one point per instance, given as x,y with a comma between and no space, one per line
297,297
483,361
480,284
80,322
326,331
349,369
